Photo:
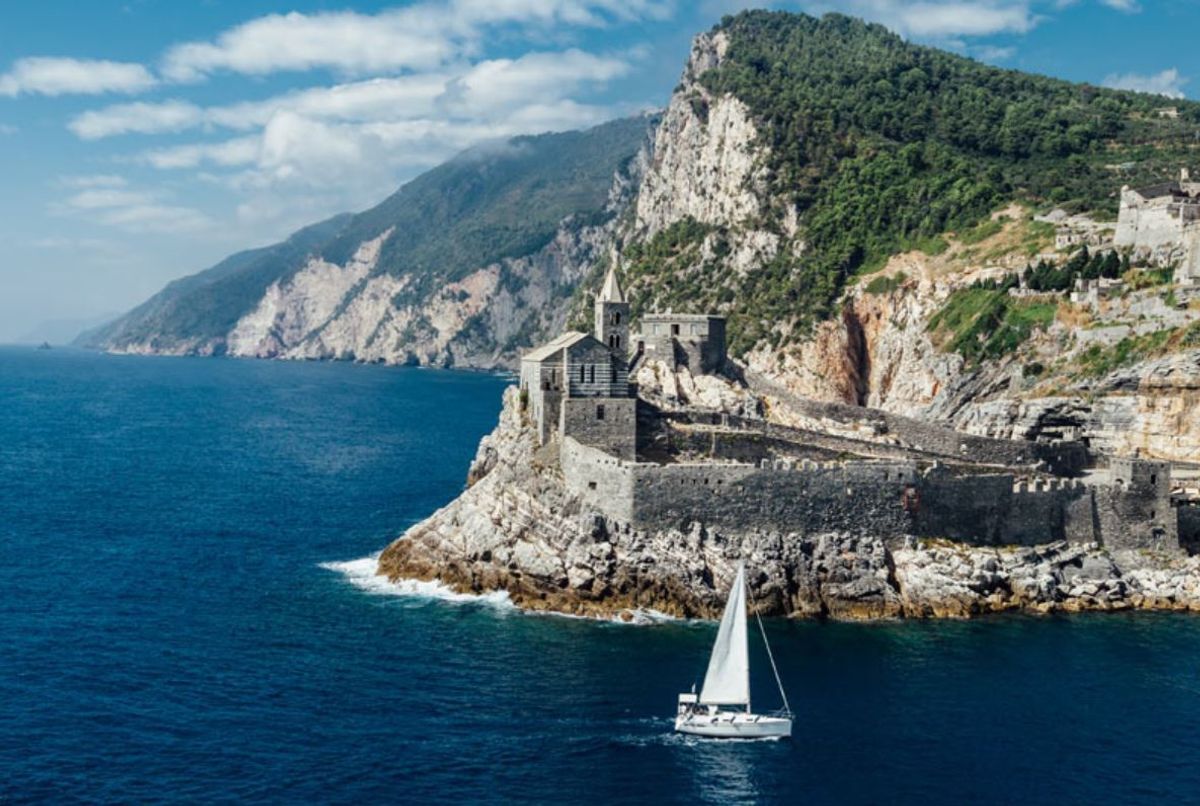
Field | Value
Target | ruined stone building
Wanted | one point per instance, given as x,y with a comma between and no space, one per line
1161,224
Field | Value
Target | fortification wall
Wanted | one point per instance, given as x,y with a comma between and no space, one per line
1188,518
1045,511
607,423
810,498
1188,270
600,480
888,499
1146,225
933,442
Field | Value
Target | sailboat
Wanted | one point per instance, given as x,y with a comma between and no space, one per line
722,709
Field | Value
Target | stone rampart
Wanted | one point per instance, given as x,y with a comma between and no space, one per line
600,480
886,499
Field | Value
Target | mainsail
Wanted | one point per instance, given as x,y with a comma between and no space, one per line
728,679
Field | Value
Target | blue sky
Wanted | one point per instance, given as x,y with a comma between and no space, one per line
142,140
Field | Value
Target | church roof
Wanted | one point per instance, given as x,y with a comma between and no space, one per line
550,348
611,292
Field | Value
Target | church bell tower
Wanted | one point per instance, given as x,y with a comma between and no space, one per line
612,315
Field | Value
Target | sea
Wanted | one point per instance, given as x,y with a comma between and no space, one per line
188,613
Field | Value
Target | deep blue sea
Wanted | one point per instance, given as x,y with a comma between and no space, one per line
186,614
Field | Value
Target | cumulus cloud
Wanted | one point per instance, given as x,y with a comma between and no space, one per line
144,118
417,37
502,83
940,19
87,181
486,89
414,86
226,154
137,211
1128,6
993,53
45,75
1168,82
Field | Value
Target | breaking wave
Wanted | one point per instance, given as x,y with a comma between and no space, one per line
361,574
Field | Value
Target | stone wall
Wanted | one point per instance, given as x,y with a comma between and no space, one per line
1058,509
607,423
599,480
880,498
1061,458
911,439
1188,517
1134,510
1146,224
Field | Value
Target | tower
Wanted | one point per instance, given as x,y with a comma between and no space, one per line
612,315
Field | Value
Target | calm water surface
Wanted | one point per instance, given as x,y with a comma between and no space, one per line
184,616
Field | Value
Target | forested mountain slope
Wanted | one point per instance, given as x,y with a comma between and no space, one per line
464,265
820,147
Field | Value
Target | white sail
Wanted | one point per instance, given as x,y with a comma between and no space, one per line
728,679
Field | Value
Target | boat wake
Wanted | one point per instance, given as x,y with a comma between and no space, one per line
361,574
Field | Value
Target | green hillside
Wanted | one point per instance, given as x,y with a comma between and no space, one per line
503,200
882,145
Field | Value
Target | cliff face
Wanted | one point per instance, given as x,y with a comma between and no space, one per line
518,529
881,352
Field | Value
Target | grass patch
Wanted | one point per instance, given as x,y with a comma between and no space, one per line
981,231
1137,279
983,323
1097,361
886,284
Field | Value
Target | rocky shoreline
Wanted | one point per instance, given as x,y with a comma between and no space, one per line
516,528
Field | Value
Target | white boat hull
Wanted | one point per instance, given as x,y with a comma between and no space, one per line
734,725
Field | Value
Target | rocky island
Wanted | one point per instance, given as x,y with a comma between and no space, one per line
601,497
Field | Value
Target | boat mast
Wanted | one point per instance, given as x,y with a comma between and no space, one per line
770,655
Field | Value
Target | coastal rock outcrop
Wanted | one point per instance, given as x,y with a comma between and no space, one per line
516,528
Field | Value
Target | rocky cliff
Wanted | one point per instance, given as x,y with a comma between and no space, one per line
516,528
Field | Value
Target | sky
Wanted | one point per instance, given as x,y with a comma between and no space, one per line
144,140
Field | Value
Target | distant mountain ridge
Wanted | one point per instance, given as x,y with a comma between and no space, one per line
459,267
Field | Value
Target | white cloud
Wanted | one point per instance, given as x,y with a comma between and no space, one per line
45,75
993,53
483,91
504,83
1168,82
144,118
105,198
938,19
137,211
421,37
93,181
1128,6
230,153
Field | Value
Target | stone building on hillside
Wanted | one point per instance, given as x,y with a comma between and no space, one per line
695,341
1161,224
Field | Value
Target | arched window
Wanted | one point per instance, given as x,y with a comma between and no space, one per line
581,371
616,317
